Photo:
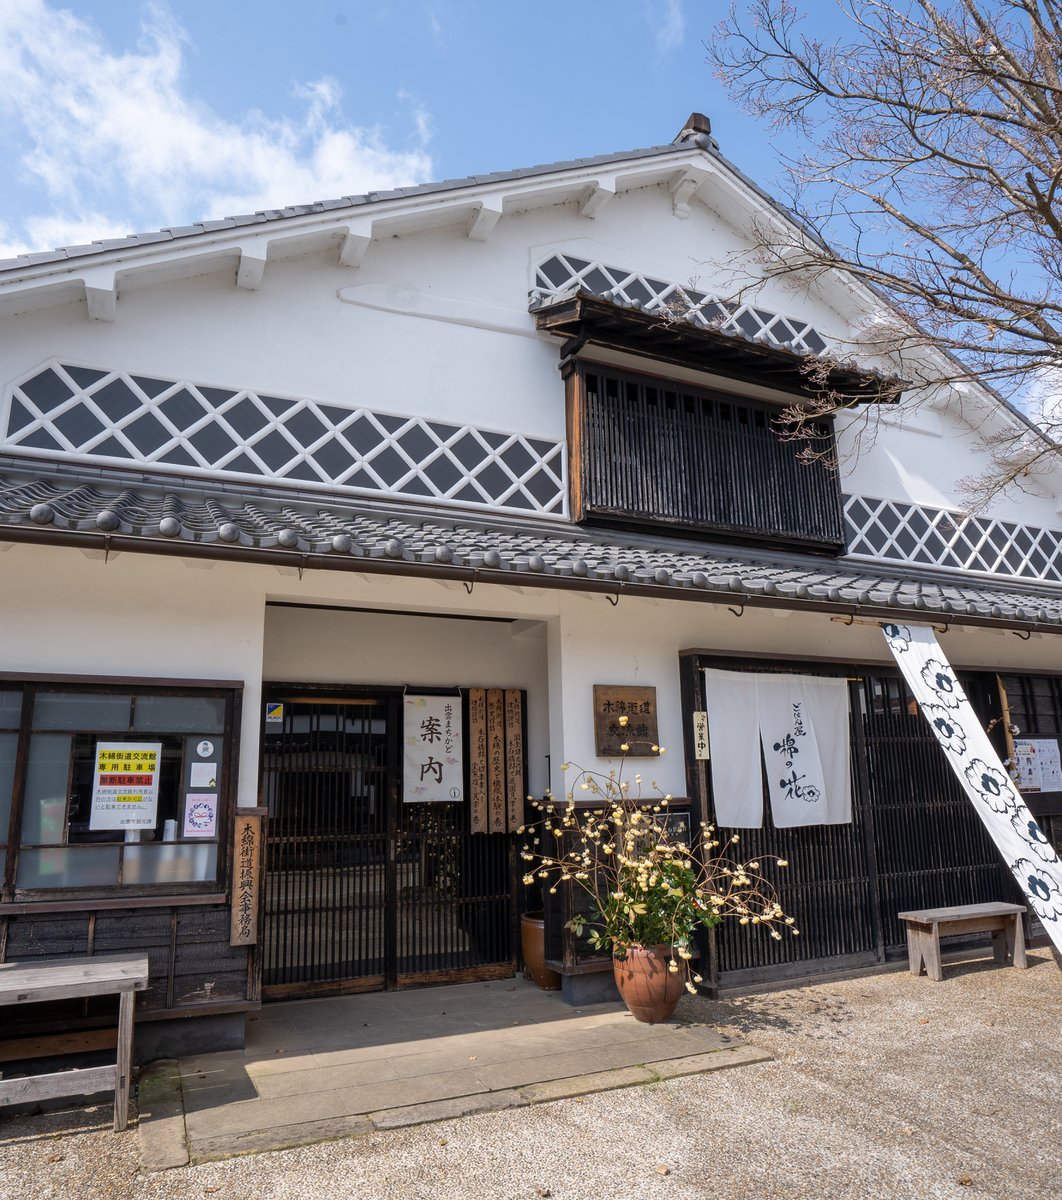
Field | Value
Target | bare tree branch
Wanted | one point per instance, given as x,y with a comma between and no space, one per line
933,174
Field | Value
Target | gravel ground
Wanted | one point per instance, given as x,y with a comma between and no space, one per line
883,1086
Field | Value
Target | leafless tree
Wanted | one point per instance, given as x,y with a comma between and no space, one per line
932,172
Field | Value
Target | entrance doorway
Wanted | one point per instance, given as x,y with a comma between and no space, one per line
364,891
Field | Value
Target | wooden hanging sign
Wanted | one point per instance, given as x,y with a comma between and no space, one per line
477,759
514,758
496,758
638,705
246,877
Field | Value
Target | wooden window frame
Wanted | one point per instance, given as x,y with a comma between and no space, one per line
32,685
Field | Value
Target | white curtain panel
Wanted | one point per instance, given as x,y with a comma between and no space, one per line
734,730
805,736
990,788
801,721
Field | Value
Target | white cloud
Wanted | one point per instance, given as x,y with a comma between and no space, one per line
669,24
115,142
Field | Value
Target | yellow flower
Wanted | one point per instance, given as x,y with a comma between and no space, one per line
623,721
783,862
624,747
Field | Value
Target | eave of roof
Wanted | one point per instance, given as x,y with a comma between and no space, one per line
116,512
338,206
584,318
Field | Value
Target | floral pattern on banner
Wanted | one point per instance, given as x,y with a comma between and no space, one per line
998,803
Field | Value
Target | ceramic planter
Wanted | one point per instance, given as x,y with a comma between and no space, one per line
533,944
650,991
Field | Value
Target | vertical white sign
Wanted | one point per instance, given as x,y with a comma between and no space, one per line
701,749
433,761
943,703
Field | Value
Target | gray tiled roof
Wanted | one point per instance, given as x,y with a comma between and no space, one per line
326,206
138,513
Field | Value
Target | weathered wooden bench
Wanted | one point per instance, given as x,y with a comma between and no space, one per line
76,979
926,928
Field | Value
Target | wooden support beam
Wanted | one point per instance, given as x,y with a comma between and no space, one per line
252,267
601,192
682,190
354,245
487,216
101,295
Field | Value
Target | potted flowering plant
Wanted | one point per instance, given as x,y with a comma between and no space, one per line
650,892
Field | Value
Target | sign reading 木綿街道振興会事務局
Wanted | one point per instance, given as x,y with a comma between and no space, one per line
125,785
433,758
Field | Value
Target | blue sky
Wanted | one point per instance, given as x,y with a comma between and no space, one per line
121,115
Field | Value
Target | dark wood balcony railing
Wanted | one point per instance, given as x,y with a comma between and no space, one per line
650,452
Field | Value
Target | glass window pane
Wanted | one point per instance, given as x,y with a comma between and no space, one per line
47,785
10,709
68,866
170,862
85,711
179,714
8,745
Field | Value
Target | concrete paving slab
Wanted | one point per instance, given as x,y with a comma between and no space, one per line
719,1060
316,1070
522,1071
584,1085
163,1141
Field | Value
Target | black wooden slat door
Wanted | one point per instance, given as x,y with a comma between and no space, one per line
915,842
932,848
362,890
828,886
326,776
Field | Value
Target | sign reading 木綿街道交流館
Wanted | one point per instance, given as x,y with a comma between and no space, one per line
125,785
433,763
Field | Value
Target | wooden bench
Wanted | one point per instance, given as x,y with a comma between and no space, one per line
926,928
35,982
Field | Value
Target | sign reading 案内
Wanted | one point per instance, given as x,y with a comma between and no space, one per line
434,766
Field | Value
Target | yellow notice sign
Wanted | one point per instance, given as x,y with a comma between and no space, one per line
125,785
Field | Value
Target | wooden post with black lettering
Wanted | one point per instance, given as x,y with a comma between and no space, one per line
477,759
496,758
246,876
514,758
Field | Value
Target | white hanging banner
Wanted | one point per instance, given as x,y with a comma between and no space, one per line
804,730
734,729
802,722
944,705
434,766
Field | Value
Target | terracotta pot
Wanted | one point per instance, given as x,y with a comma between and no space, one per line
648,988
533,942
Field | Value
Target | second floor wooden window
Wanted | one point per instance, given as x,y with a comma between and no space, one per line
651,453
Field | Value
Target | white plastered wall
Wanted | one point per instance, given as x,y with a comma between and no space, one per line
67,613
151,616
315,329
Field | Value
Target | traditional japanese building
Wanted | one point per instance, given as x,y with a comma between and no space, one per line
320,527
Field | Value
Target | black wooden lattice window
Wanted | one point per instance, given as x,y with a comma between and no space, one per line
651,452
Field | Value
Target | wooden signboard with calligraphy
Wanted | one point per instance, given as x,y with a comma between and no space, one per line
514,758
477,759
496,759
246,877
638,705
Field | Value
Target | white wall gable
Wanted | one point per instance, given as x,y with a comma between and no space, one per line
412,320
